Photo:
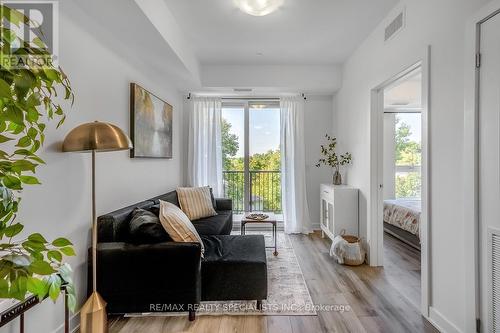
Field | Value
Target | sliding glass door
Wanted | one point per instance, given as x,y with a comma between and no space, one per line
251,155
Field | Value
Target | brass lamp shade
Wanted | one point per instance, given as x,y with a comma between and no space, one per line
97,136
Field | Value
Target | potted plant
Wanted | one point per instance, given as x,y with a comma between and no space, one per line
28,90
331,159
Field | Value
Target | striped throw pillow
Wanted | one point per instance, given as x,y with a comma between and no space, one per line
196,202
177,225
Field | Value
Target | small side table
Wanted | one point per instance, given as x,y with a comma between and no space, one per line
18,309
271,219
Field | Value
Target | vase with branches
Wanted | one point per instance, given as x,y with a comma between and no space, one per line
28,99
331,159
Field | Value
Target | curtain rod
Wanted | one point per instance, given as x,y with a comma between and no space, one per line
402,111
252,98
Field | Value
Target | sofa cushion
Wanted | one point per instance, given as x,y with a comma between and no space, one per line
220,224
146,228
196,202
115,226
234,268
177,225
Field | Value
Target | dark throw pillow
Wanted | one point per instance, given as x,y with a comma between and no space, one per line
155,209
146,228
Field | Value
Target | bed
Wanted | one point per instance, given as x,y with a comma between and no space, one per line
402,220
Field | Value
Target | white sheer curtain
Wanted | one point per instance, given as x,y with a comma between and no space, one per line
205,143
293,166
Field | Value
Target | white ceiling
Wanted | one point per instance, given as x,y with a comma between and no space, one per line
305,32
406,94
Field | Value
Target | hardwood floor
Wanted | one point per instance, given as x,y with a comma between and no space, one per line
381,299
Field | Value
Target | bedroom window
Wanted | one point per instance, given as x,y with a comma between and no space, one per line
403,140
408,155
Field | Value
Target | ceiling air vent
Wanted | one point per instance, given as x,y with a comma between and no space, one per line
395,26
242,90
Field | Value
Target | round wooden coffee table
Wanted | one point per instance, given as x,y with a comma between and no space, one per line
271,219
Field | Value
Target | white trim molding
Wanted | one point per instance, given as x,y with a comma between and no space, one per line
471,131
74,324
441,323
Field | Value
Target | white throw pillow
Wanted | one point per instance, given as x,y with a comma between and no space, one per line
178,225
196,202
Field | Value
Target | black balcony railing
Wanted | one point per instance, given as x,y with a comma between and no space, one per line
264,190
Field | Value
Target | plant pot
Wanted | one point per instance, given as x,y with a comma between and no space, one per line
337,178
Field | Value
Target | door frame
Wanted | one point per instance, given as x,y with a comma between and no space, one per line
375,223
471,165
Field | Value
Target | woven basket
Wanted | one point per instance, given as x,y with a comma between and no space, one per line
354,253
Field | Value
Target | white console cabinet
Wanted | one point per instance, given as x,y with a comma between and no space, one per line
339,210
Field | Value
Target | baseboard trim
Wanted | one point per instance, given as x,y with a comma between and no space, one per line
74,324
441,323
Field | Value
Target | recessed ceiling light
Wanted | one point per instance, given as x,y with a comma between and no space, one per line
258,7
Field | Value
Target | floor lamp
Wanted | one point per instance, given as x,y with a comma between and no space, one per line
95,137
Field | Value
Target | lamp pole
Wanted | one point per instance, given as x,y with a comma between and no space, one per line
94,228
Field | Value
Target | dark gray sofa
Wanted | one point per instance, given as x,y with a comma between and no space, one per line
172,276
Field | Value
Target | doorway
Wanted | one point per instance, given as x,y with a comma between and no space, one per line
399,204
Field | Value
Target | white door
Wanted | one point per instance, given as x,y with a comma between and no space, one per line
489,171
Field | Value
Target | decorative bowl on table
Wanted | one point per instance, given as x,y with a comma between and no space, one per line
257,216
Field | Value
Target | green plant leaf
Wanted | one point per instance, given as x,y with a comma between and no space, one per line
23,165
18,287
13,230
32,133
3,138
16,116
4,288
34,247
54,282
12,182
37,287
25,141
54,255
61,242
36,237
52,74
29,180
69,251
5,91
41,267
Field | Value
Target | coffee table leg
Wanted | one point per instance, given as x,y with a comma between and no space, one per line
275,240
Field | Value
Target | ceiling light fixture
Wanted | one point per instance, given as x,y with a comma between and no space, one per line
258,7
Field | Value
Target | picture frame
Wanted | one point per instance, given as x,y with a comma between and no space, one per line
151,124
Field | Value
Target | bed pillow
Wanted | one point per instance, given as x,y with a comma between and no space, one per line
146,228
178,225
196,202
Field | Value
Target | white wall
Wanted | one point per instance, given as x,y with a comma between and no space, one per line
440,24
61,206
318,122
